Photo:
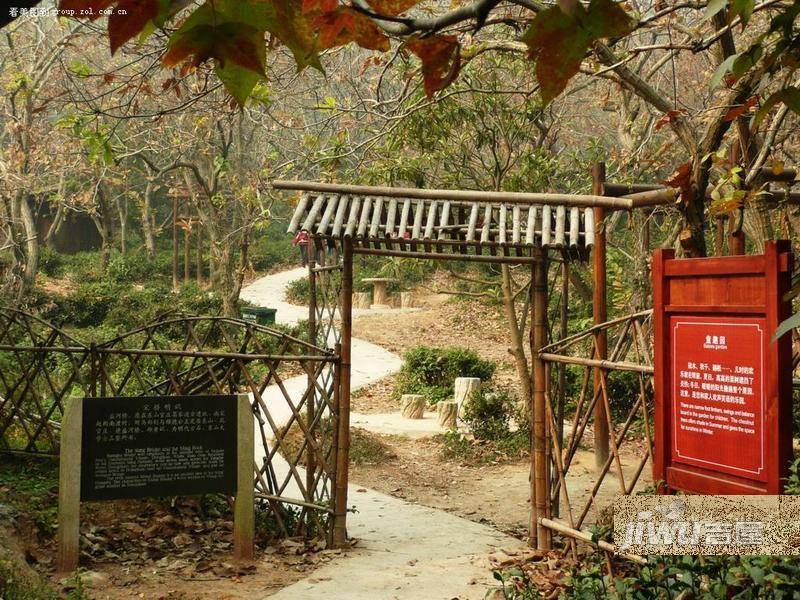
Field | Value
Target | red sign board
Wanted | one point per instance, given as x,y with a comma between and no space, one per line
717,394
723,386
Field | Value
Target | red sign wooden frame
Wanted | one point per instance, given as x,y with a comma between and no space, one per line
723,387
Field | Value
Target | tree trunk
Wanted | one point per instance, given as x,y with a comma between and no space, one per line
122,212
147,221
55,226
641,296
517,349
31,243
104,225
225,277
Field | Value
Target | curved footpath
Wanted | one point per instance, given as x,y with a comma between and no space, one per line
404,551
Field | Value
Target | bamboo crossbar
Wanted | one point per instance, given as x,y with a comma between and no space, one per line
302,503
61,349
586,536
592,362
185,353
595,328
524,198
638,191
328,268
485,258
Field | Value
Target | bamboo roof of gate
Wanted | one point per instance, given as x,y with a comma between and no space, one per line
454,224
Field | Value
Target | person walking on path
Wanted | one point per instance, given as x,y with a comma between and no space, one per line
301,239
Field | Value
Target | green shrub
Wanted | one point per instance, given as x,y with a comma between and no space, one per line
665,578
454,445
132,267
793,481
87,305
623,391
692,577
51,263
297,292
432,371
488,414
112,307
82,266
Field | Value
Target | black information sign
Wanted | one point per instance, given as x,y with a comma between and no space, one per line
158,446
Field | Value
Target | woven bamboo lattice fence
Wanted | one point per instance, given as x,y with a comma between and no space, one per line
620,389
292,384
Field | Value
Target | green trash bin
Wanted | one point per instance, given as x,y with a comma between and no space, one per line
259,315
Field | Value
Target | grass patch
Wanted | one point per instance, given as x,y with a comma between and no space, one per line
30,487
367,448
455,446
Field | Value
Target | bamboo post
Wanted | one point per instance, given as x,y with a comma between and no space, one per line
563,332
540,481
599,313
562,371
312,396
175,243
343,443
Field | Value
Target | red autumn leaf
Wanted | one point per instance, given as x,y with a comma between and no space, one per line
391,8
344,25
737,111
91,9
234,42
313,8
681,178
558,41
669,117
128,19
339,25
441,60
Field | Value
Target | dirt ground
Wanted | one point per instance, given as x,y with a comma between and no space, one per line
177,549
496,493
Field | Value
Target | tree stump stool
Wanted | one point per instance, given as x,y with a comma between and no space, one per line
464,388
413,406
448,411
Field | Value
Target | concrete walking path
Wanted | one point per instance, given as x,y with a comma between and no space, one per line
404,551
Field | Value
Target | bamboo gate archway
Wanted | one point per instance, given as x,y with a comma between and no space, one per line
489,227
